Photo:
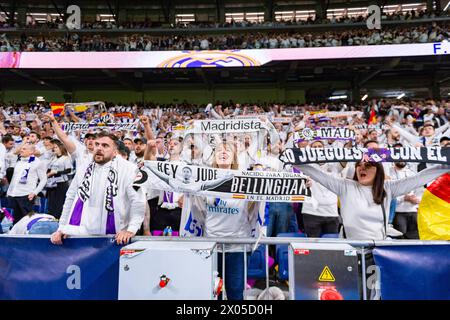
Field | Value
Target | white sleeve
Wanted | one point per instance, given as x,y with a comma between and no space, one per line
68,163
403,186
2,160
42,175
446,133
137,208
441,129
334,184
79,148
215,115
70,197
20,227
408,136
147,218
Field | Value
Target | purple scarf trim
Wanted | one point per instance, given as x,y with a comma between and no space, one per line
75,219
168,199
110,224
77,212
32,222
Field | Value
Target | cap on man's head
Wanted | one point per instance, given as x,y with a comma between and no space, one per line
444,138
141,140
90,135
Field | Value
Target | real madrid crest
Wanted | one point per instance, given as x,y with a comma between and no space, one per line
307,134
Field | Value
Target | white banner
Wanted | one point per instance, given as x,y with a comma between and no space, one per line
228,184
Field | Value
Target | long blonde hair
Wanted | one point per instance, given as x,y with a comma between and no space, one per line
235,162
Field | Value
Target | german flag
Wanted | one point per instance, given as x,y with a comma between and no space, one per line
238,196
434,210
57,109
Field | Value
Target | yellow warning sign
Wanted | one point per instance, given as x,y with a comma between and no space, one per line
326,275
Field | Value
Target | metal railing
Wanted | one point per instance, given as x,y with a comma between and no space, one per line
364,246
250,244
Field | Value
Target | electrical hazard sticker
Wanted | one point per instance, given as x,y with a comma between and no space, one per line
326,275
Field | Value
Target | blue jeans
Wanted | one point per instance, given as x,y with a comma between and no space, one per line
234,274
280,215
44,227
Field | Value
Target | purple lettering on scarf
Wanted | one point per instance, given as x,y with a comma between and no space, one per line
75,219
110,224
168,199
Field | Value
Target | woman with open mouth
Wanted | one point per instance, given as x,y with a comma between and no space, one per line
365,200
229,218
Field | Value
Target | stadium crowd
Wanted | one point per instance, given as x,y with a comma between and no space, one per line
58,23
53,181
432,32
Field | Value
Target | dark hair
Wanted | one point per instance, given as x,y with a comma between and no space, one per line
426,125
90,135
61,146
37,134
124,151
105,134
47,138
378,191
319,141
369,141
7,138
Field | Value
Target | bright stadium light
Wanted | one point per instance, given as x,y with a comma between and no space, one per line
338,97
401,96
364,97
446,6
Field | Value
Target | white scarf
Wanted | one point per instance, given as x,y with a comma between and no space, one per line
85,191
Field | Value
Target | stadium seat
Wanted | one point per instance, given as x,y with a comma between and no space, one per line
257,264
43,205
282,254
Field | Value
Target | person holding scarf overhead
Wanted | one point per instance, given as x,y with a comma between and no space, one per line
103,198
29,178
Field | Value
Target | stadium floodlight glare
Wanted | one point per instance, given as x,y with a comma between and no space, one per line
401,96
446,6
412,4
338,97
364,97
